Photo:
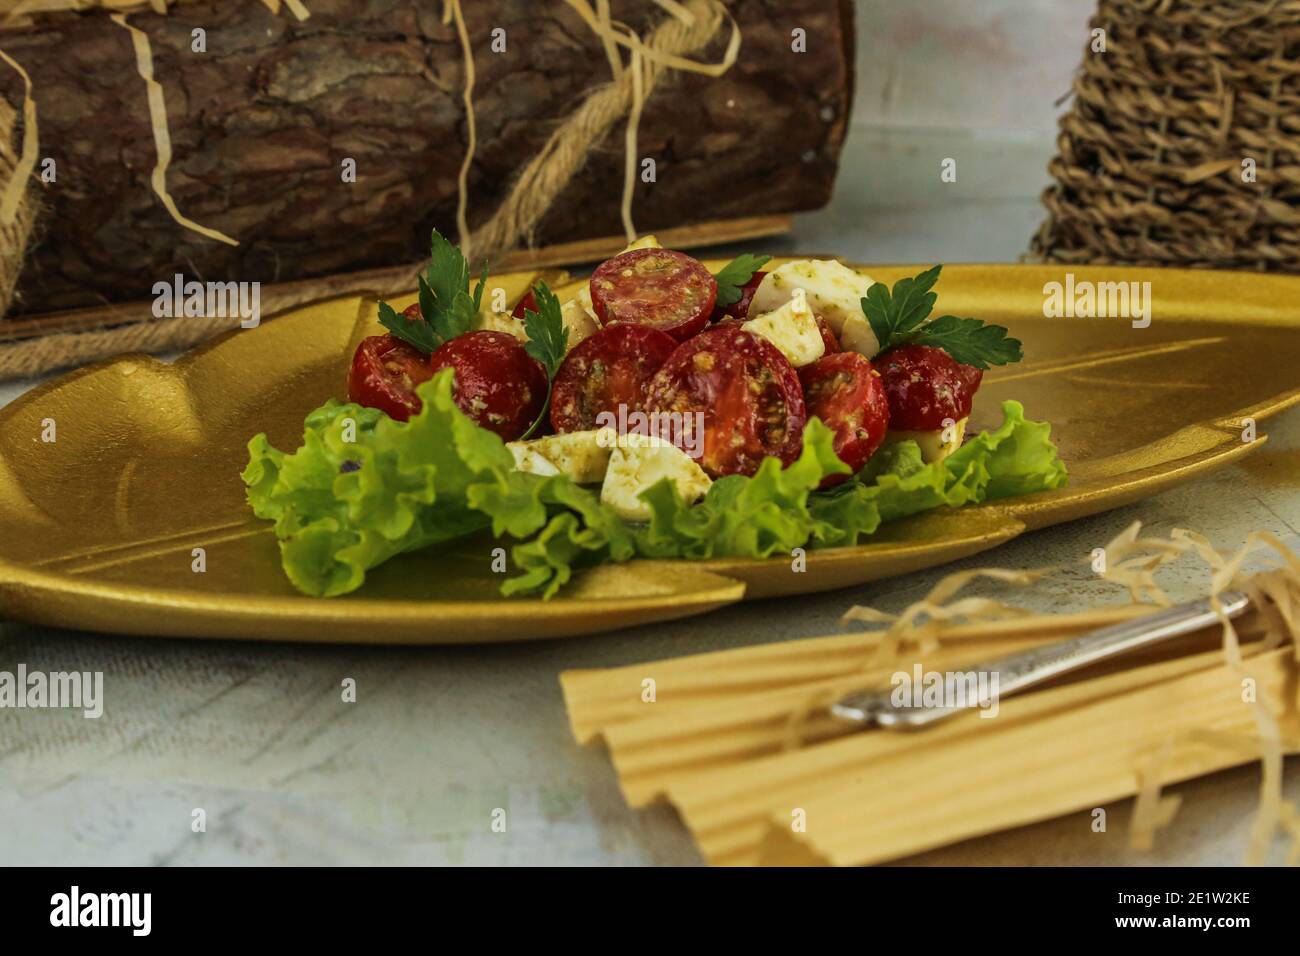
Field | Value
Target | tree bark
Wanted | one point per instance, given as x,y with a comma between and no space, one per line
262,122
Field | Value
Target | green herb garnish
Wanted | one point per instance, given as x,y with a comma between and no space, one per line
447,308
734,275
548,340
901,318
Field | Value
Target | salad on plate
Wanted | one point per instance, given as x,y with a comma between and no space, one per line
663,411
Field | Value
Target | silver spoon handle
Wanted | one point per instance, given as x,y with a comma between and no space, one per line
1018,671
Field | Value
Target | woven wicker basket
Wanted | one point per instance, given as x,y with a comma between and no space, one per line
1156,150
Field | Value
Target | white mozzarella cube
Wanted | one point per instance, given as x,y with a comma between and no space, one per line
526,459
639,462
578,320
792,328
856,336
501,322
833,290
936,444
583,456
584,299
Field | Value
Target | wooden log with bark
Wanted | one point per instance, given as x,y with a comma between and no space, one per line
264,120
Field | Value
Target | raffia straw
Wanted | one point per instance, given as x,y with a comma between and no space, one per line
635,66
1138,558
920,623
1131,562
161,137
451,10
607,43
16,232
16,188
295,7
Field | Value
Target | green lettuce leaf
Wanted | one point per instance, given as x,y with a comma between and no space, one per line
1016,458
753,517
363,488
583,532
778,510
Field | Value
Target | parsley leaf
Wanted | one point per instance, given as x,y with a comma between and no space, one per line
447,308
415,332
548,340
734,275
547,337
902,318
893,317
970,341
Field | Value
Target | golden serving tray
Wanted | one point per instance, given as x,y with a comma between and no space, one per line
98,528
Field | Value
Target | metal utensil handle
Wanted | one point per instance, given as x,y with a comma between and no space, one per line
1039,664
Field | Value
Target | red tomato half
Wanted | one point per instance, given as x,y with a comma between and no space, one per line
924,386
529,301
972,376
747,392
828,337
846,393
607,369
498,384
740,308
661,288
384,373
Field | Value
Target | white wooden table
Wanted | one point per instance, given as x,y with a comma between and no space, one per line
256,734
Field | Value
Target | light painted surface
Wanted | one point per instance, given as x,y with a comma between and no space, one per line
258,737
967,64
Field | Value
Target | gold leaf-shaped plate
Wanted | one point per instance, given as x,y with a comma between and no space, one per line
98,528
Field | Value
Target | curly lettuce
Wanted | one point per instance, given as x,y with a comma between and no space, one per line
778,509
363,488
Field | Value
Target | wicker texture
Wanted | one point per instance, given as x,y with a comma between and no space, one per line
1150,169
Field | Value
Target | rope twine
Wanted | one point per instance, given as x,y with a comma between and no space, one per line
687,28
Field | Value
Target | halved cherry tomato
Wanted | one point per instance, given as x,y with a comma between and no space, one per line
498,384
610,368
925,386
529,301
828,337
740,308
661,288
846,393
973,377
746,391
384,373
